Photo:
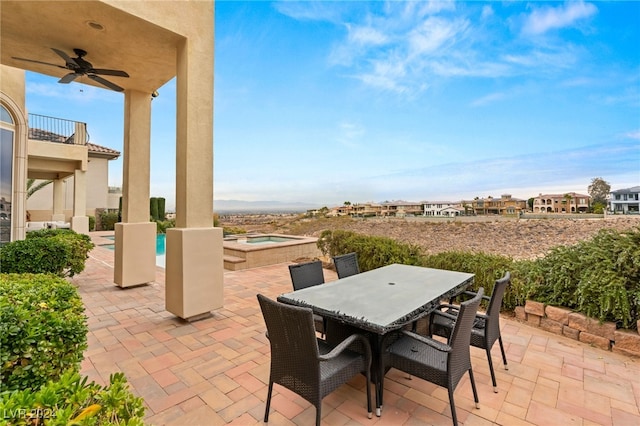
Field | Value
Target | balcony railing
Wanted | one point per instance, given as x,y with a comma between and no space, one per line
58,130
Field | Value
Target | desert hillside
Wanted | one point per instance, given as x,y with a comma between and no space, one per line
520,239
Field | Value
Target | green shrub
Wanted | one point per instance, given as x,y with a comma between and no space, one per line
108,220
92,223
70,400
486,267
43,329
373,252
163,225
153,208
162,213
598,277
58,251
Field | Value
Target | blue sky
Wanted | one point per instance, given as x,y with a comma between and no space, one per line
326,102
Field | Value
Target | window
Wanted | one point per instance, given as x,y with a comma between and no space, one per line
7,129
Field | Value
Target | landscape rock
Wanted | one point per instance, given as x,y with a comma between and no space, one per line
558,314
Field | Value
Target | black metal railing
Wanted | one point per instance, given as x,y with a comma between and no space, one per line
59,130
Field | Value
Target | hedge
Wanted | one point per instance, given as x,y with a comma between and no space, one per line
43,329
57,251
599,277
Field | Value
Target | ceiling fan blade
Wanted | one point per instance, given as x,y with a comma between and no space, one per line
38,62
106,83
69,61
101,71
69,78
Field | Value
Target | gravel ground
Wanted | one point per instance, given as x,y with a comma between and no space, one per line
519,239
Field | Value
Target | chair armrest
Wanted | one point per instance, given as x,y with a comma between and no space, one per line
472,294
445,314
342,346
483,316
435,344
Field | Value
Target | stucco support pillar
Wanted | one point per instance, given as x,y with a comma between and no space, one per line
194,258
79,220
58,201
135,248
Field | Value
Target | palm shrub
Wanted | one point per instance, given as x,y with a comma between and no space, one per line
58,251
43,329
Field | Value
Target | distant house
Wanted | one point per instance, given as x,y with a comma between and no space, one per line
569,202
442,209
506,205
625,200
401,209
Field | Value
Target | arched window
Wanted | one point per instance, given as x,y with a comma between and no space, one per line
7,132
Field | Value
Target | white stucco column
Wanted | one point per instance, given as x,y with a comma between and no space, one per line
58,200
79,220
135,248
194,258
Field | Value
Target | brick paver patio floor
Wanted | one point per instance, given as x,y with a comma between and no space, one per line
215,371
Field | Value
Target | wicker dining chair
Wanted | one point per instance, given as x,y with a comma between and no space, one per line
346,265
434,361
305,275
486,327
304,364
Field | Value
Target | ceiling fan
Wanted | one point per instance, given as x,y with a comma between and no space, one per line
80,67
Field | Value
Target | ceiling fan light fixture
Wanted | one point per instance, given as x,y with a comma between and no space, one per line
95,25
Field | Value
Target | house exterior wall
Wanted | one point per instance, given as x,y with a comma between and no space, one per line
440,208
12,97
569,202
625,200
40,204
505,205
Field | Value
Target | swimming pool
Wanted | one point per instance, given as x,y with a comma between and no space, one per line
160,248
251,250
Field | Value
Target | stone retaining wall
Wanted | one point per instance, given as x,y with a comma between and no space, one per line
577,326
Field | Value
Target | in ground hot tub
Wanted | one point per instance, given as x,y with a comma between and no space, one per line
253,250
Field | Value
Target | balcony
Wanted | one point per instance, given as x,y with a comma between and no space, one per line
56,147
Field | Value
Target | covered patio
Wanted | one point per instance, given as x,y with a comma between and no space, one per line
215,371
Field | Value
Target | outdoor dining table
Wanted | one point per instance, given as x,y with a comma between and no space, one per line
381,301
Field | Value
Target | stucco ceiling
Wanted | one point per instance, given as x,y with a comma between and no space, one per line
29,29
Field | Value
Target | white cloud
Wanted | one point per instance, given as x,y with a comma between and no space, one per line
488,99
549,18
366,35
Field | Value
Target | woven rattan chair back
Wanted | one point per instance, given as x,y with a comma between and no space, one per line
346,265
297,356
307,274
434,361
486,329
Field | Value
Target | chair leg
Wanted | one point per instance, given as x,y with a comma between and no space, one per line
453,406
318,413
493,374
368,387
473,388
504,357
266,411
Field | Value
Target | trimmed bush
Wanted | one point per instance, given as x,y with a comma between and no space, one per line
162,214
373,252
43,329
486,267
70,400
598,277
92,223
58,251
153,208
108,220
